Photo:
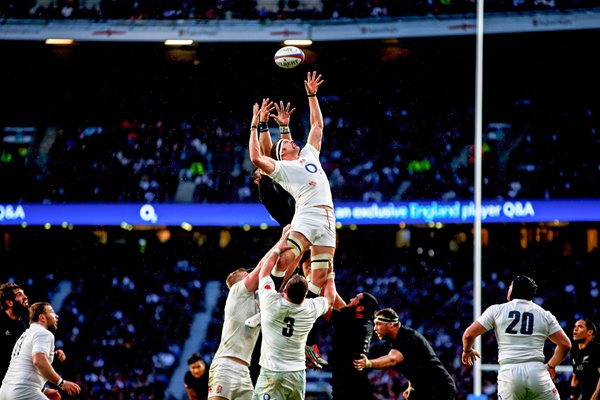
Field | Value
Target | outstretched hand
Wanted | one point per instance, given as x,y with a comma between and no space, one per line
265,109
406,393
361,363
60,355
470,357
312,82
255,114
286,231
283,113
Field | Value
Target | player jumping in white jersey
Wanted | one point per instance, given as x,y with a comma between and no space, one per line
299,171
521,328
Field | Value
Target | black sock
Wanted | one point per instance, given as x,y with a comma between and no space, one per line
278,280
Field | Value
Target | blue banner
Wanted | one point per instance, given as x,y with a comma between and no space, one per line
239,214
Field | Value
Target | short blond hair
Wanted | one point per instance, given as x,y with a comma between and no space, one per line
234,277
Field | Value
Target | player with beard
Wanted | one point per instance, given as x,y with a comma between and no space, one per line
13,321
352,330
585,358
31,361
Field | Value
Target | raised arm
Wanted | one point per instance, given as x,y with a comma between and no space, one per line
329,290
312,84
283,116
262,161
272,255
264,135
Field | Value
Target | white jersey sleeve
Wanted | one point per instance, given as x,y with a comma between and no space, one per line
237,340
521,327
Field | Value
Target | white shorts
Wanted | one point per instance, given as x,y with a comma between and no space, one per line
230,380
12,392
529,380
280,385
317,224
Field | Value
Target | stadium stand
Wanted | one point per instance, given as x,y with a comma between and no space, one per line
133,298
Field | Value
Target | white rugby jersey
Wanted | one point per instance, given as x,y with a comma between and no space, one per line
285,327
521,329
237,340
21,372
304,179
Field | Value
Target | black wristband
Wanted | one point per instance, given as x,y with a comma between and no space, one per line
467,351
284,129
263,127
253,127
60,383
551,366
311,95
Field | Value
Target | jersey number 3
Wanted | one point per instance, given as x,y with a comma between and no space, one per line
288,329
526,323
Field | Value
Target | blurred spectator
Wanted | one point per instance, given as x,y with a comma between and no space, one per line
196,378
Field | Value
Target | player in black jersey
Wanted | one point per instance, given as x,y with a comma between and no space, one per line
352,330
413,356
585,359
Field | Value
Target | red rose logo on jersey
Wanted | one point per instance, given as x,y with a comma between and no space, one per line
268,287
219,389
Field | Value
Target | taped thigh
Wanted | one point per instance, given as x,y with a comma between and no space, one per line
321,261
295,245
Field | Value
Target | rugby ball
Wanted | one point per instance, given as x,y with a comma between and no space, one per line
289,57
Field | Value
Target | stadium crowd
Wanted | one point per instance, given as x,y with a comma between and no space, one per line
128,312
262,9
132,295
187,161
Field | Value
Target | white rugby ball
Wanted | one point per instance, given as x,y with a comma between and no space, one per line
289,57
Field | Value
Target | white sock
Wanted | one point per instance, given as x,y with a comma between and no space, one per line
314,288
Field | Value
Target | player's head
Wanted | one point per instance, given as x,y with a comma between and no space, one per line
296,288
584,331
196,365
255,176
522,287
370,304
365,305
386,323
44,314
236,276
285,149
13,297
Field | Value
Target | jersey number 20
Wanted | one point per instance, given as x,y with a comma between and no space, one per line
526,323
